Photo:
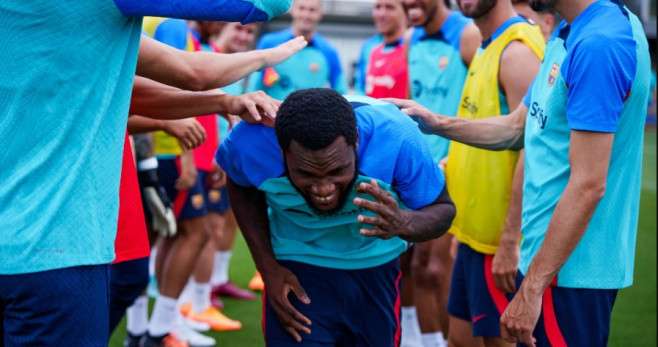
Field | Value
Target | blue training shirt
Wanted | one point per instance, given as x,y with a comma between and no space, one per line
437,73
594,77
391,150
317,65
66,73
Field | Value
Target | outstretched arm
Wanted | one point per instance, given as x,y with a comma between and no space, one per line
494,133
156,100
206,70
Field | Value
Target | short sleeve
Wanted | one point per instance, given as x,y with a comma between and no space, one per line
418,179
599,71
250,154
172,32
244,11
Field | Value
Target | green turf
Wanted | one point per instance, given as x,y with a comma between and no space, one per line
633,318
634,315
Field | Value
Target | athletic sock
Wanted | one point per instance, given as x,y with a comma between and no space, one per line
163,316
137,319
187,294
201,296
444,341
220,268
432,339
410,328
154,252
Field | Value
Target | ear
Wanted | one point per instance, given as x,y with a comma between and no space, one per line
356,147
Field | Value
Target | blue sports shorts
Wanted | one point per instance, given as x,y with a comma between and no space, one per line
348,307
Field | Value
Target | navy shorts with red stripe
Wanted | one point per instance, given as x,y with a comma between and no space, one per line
216,198
348,307
573,316
189,203
473,294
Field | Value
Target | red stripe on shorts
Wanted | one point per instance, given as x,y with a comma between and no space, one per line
498,297
398,330
181,197
550,320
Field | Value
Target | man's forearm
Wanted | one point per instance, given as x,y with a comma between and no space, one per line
512,229
250,209
156,100
194,70
568,224
431,221
493,133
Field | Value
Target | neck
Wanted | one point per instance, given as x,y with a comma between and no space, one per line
394,36
491,21
569,10
438,18
307,36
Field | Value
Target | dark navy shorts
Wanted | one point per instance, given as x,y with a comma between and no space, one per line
187,203
473,294
63,307
216,198
348,307
574,316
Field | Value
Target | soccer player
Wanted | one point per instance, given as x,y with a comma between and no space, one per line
322,212
387,75
59,232
484,186
581,124
317,65
441,47
545,18
234,37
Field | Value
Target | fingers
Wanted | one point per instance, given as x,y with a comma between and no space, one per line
401,103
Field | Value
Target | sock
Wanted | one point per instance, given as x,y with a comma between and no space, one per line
163,316
137,316
410,328
154,252
201,296
187,294
444,342
220,268
431,339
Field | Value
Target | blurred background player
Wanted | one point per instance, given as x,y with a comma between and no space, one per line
486,185
317,65
386,74
441,47
544,18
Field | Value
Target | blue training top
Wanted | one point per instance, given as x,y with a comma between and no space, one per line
64,103
391,150
437,73
317,65
594,77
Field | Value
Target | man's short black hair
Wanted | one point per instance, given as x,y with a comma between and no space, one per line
315,118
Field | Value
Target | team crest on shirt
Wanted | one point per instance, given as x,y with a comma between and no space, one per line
553,75
197,201
443,62
314,67
214,195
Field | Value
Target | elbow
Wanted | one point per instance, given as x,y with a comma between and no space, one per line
196,82
446,221
593,190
